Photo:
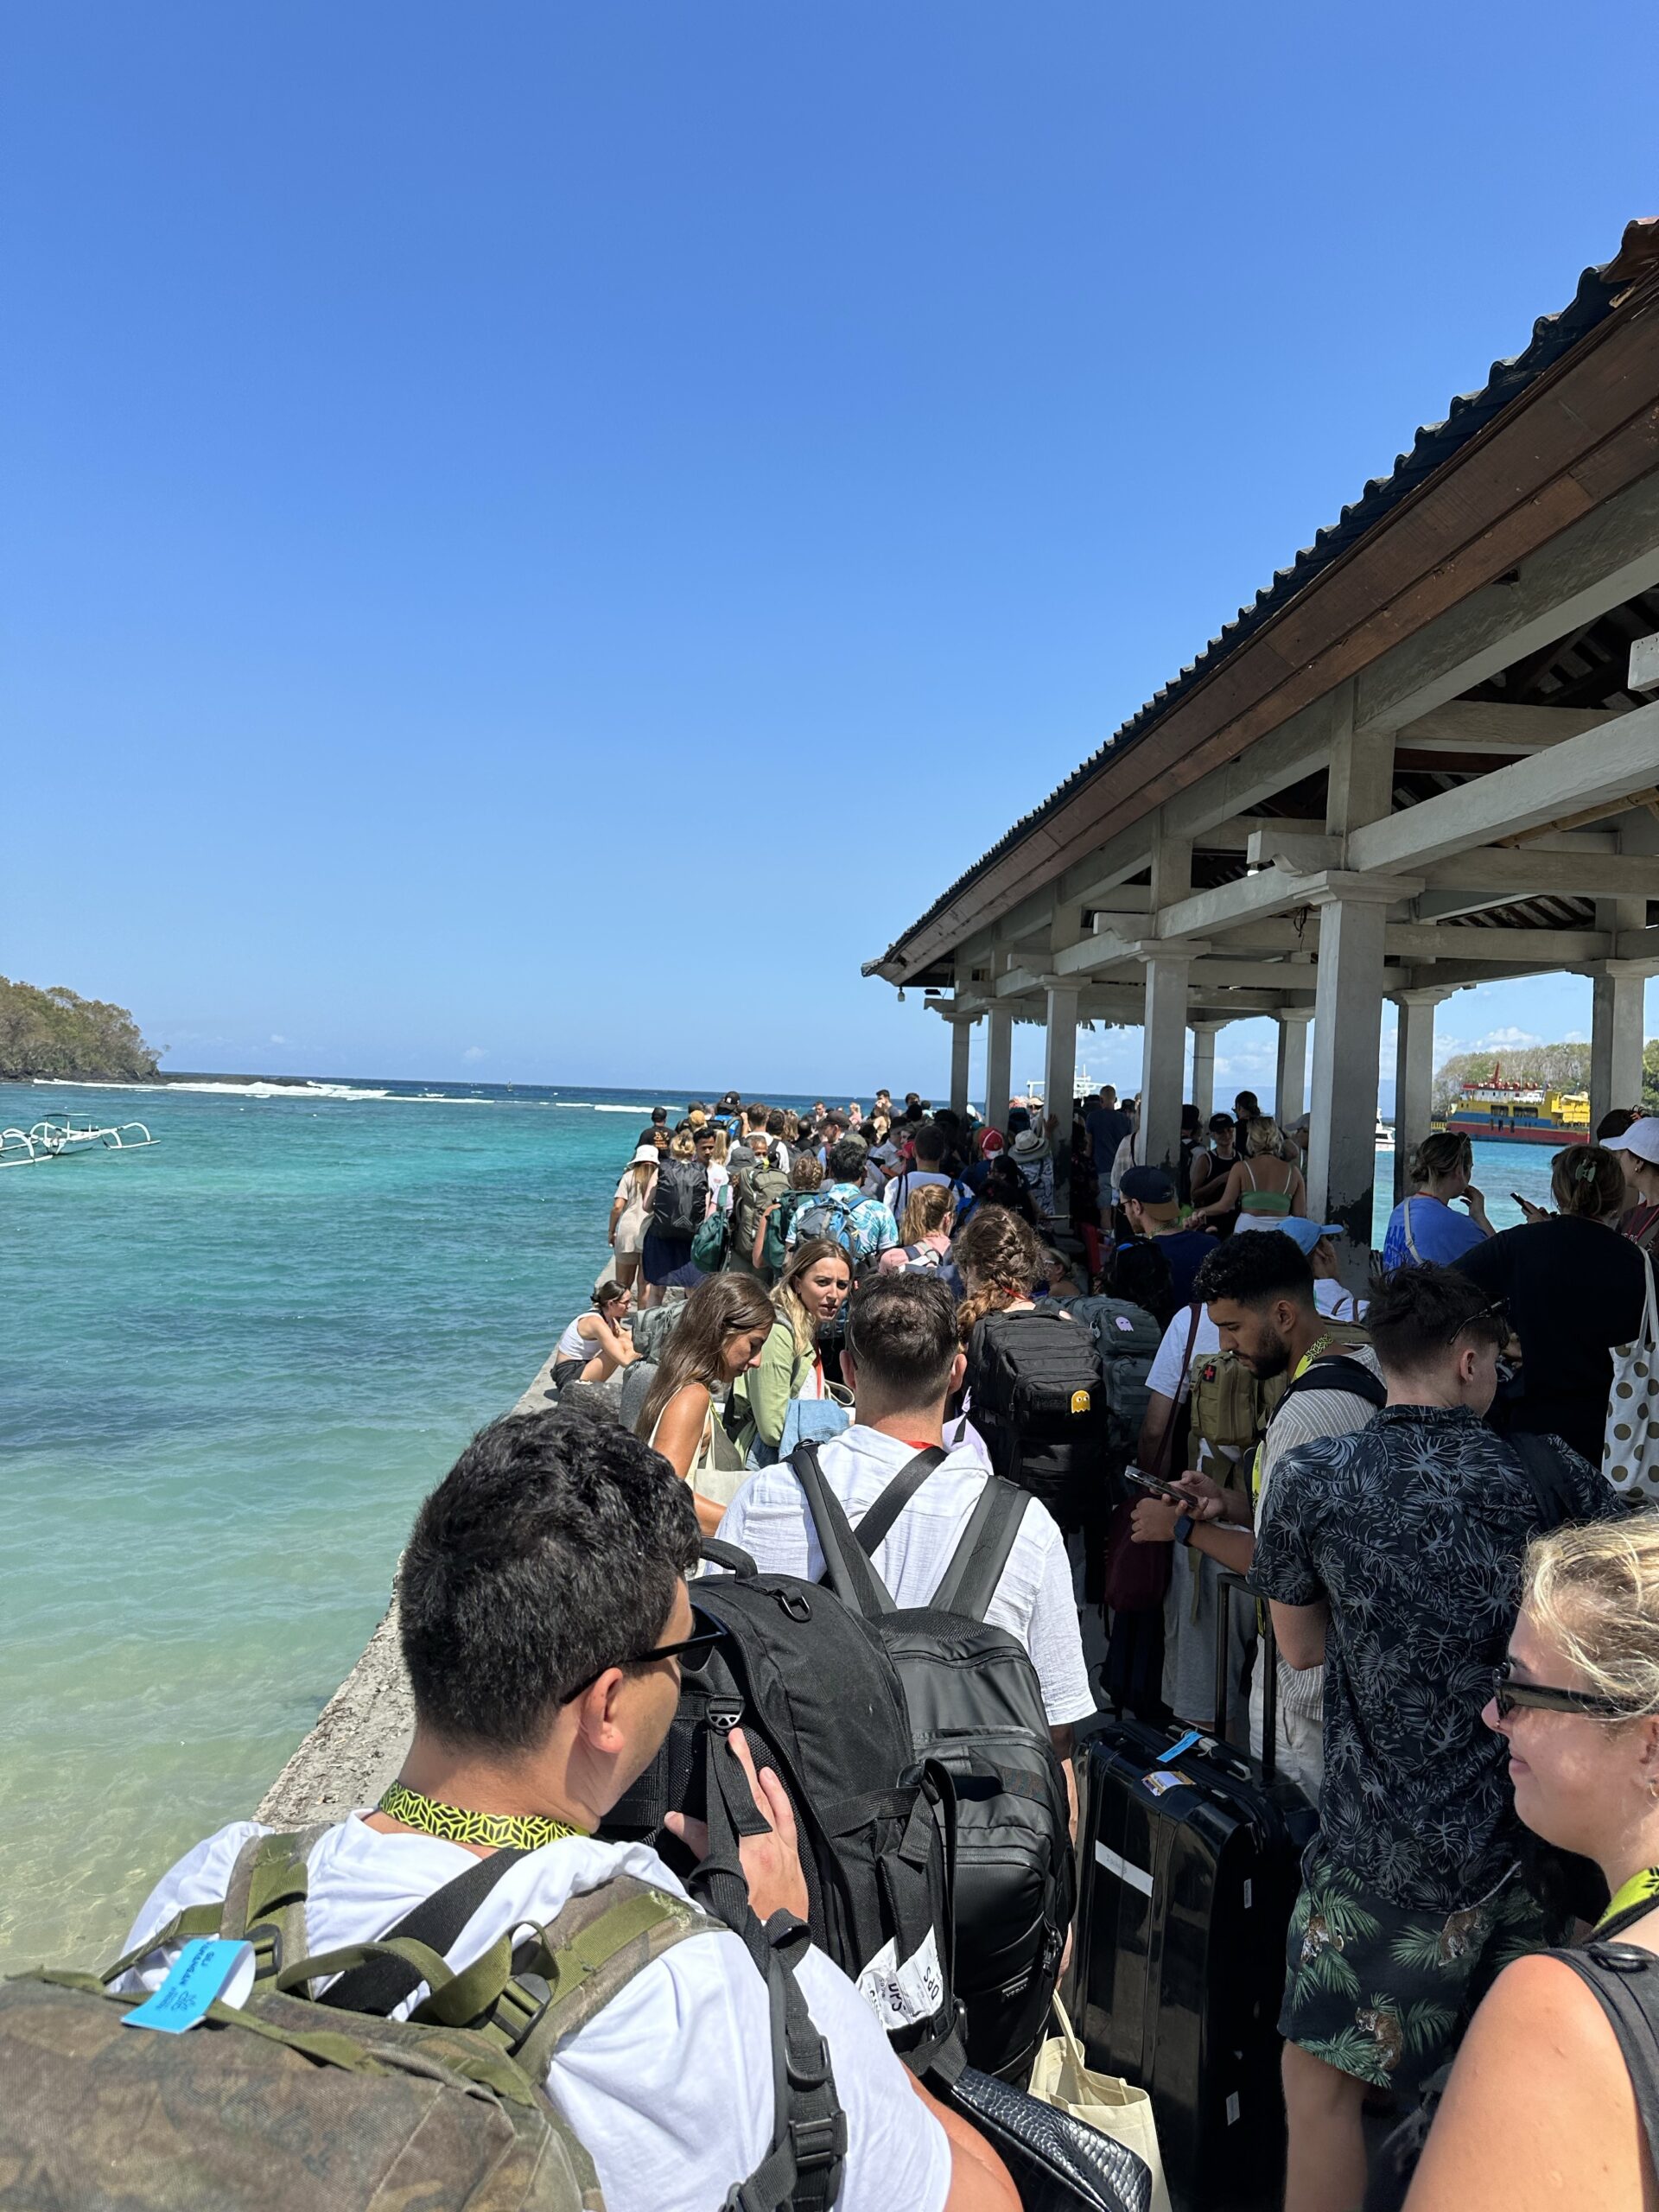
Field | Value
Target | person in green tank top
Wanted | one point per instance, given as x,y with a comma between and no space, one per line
1265,1184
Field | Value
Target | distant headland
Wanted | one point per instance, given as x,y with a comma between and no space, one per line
57,1032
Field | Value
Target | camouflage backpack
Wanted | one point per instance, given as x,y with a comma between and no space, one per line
293,2100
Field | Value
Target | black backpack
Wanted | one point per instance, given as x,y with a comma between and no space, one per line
1037,1399
976,1710
820,1702
681,1198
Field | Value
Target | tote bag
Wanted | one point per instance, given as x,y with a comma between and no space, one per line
1630,1454
1061,2077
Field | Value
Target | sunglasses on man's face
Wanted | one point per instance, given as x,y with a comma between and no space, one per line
690,1650
1508,1695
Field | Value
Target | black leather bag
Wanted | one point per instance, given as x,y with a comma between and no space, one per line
1057,2164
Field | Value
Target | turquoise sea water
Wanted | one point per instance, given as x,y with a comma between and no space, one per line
229,1366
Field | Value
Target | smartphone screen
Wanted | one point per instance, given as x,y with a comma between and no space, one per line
1158,1489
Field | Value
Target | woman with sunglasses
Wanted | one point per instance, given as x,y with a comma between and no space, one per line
1554,2103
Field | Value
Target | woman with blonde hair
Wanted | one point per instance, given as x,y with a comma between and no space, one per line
1574,1287
1423,1229
930,1216
727,1321
1264,1183
816,1278
1553,2104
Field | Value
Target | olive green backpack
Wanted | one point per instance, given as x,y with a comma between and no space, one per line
294,2103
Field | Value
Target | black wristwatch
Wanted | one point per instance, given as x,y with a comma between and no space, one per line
1183,1526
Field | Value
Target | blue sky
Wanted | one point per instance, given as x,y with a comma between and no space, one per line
540,536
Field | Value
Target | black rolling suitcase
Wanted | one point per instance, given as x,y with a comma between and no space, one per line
1188,1870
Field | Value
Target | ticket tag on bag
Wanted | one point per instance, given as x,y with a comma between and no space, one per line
207,1968
1182,1744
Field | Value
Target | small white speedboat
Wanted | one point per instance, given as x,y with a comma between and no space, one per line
1384,1137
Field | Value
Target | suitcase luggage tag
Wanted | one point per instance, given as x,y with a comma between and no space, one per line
1161,1781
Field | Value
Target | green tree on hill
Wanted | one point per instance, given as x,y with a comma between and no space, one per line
57,1032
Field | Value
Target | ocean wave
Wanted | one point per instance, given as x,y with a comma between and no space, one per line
588,1106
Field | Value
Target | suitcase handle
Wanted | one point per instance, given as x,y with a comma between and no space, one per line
1227,1583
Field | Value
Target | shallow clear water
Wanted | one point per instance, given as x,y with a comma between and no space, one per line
229,1367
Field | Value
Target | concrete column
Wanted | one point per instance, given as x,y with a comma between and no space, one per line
962,1040
1059,1075
999,1063
1347,1035
1290,1080
1617,1029
1204,1067
1413,1077
1163,1058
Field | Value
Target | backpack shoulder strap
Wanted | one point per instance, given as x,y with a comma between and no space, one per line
847,1570
875,1524
1355,1380
1624,1980
1540,1462
263,1903
1411,1241
969,1582
591,1950
382,1983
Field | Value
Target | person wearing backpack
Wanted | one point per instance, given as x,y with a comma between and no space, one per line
929,1146
1148,1198
681,1197
757,1185
1033,1377
903,1360
1390,1556
1259,1290
546,1621
861,1225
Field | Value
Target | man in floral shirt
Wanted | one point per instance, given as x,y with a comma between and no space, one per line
1392,1555
863,1226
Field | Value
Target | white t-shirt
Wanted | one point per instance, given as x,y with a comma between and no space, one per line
670,2087
899,1193
1035,1599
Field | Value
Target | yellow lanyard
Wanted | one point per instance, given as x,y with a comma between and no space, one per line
454,1824
1636,1895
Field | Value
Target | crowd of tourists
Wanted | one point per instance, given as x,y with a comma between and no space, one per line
1030,1403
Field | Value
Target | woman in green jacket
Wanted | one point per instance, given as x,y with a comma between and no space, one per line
814,1286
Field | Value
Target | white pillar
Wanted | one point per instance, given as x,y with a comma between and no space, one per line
961,1039
1616,1035
999,1062
1413,1077
1060,1076
1204,1067
1290,1079
1163,1058
1347,1036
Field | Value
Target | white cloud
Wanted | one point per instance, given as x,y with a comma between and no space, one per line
1494,1038
276,1039
474,1052
1576,1037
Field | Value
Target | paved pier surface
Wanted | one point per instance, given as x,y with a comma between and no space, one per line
357,1742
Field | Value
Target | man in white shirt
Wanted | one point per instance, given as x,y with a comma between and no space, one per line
544,1610
902,1359
929,1168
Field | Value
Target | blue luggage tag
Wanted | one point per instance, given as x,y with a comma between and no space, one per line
1181,1744
208,1968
